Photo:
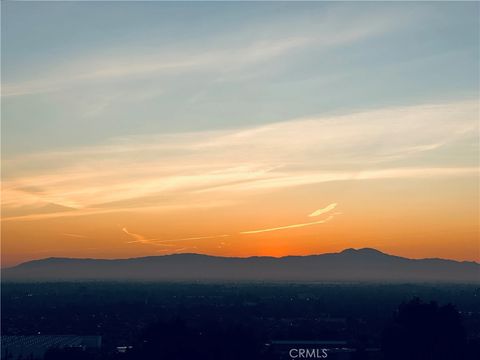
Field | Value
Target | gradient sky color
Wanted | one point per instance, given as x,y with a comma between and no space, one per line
238,129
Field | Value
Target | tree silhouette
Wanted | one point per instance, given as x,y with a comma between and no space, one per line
424,331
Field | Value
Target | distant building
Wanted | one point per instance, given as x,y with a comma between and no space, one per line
35,346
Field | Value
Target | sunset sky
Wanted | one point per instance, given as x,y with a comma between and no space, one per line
239,129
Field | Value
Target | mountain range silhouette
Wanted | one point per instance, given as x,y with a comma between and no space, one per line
348,265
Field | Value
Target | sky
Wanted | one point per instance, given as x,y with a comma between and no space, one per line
239,129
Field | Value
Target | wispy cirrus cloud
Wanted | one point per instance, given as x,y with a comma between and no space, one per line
100,69
233,58
220,167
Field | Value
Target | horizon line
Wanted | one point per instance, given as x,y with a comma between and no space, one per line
241,257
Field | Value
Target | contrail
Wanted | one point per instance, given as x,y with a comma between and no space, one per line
177,250
288,226
193,238
142,240
137,237
76,235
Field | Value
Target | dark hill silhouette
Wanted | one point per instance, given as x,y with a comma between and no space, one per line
348,265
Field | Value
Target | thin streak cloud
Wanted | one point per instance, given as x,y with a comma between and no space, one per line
323,210
186,170
137,238
177,250
193,238
76,236
289,226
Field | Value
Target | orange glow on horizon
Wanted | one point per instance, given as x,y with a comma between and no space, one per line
255,192
415,227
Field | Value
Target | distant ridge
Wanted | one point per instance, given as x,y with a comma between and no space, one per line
348,265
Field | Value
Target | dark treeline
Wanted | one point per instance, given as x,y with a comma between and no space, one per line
235,321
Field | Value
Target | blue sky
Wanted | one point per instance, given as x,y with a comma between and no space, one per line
146,128
77,74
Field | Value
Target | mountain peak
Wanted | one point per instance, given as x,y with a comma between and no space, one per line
365,251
